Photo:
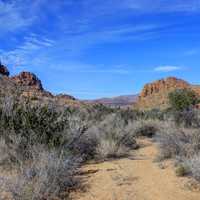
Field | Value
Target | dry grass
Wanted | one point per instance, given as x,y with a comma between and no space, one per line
44,176
110,149
193,165
183,145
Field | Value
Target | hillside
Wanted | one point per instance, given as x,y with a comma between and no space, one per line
123,100
27,85
155,94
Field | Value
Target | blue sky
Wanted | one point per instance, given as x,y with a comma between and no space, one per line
96,48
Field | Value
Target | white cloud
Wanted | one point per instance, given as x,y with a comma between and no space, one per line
76,32
19,14
27,51
13,16
162,6
167,68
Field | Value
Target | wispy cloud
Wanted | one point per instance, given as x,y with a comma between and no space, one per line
19,14
191,52
83,68
75,32
13,16
167,68
23,54
162,6
97,7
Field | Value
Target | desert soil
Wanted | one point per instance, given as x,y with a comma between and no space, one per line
137,177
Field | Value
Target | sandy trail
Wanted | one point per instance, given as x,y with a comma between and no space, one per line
135,178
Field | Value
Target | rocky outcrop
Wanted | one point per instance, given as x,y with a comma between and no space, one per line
65,97
163,85
155,95
3,70
29,80
27,85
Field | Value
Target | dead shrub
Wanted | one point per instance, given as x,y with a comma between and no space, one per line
193,165
45,176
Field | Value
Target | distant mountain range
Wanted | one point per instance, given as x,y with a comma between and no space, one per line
123,100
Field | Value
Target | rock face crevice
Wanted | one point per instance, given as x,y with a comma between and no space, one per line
155,95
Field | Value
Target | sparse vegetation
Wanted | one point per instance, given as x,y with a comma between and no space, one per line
43,144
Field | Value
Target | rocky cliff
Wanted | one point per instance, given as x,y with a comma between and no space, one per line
28,85
27,79
155,95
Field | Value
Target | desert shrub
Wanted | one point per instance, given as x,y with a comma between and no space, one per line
187,118
182,104
98,112
193,165
154,114
42,144
178,142
181,170
183,145
11,151
83,144
48,125
141,127
110,137
45,176
173,142
182,99
129,115
110,149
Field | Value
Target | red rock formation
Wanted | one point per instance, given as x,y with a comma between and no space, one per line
155,95
28,79
28,85
163,85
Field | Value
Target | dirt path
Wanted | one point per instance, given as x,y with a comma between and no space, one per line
135,178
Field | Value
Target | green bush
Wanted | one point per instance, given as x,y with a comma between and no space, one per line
182,104
182,99
181,170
